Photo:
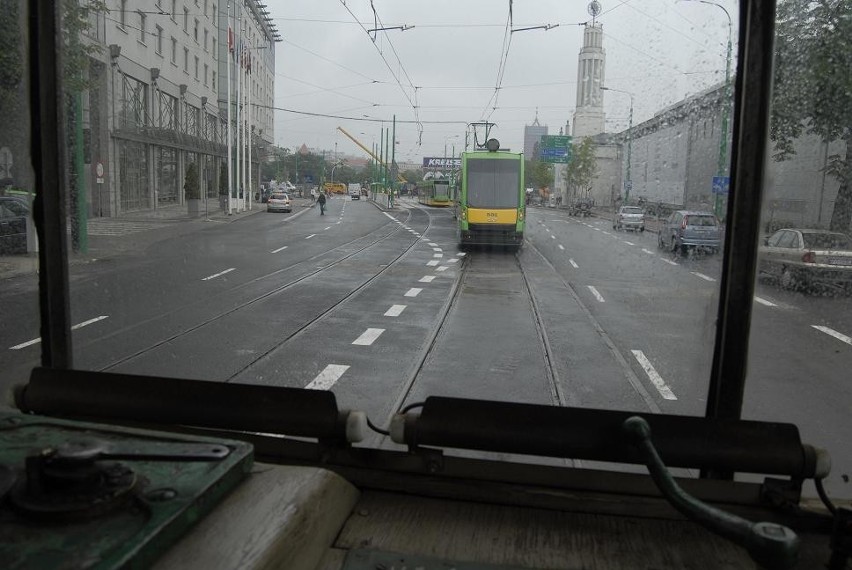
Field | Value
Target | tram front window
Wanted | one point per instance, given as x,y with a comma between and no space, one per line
493,183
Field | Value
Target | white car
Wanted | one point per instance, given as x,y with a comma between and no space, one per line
629,218
279,202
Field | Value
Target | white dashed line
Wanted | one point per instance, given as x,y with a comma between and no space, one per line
437,255
596,229
73,328
328,377
562,247
763,301
702,276
437,249
597,295
443,268
432,244
432,262
328,228
413,292
669,261
606,233
573,264
426,279
215,275
462,254
655,378
629,242
395,310
278,250
552,236
648,251
839,336
368,337
310,236
453,260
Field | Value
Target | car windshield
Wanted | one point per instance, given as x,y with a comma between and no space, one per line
826,241
490,284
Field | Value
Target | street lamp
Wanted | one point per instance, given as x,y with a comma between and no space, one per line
628,184
332,170
722,167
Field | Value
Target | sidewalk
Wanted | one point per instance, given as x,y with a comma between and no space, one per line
136,231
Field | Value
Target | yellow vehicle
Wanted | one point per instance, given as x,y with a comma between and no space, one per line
334,188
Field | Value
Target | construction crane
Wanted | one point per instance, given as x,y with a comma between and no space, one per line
370,152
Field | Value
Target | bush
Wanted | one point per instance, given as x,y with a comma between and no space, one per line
191,190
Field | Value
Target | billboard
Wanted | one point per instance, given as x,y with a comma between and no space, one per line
441,163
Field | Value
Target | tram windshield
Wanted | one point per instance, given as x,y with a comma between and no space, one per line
173,116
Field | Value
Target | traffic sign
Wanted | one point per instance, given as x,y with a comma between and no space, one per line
555,141
721,184
554,155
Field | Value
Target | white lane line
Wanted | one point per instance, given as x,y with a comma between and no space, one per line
597,295
336,222
437,249
278,250
368,337
328,228
462,254
596,229
552,236
215,275
437,255
426,279
432,262
415,233
395,310
453,260
763,301
702,276
606,233
310,236
669,261
573,264
562,247
433,244
648,251
413,292
443,268
839,336
629,242
655,378
74,328
328,377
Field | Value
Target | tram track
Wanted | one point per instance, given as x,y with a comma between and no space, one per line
395,229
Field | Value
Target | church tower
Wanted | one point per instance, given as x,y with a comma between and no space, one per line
589,113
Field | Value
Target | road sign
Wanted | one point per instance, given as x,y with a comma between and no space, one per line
554,155
720,185
628,185
555,141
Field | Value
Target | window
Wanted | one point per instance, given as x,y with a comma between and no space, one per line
174,50
185,19
493,183
186,60
206,67
159,40
214,48
213,82
122,14
205,8
196,67
206,34
195,31
141,27
174,10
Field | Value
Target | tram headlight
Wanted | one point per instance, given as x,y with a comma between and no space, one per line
464,214
521,214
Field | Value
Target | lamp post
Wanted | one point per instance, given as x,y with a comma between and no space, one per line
445,155
722,166
628,184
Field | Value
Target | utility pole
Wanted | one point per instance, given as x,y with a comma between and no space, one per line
393,158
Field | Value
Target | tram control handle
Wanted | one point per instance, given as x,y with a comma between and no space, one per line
771,545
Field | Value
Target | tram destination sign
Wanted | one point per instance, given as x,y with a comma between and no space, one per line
442,163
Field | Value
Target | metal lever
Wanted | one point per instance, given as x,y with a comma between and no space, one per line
92,449
770,545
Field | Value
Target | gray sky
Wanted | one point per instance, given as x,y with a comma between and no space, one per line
660,50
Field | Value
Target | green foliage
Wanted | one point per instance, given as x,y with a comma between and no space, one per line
75,52
413,176
813,86
191,188
583,168
537,174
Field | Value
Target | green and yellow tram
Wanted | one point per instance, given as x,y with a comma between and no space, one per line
491,201
435,193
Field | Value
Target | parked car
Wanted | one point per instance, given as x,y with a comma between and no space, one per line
629,218
279,202
13,224
354,191
687,229
807,259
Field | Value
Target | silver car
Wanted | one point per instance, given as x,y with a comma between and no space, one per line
629,218
278,202
807,259
687,229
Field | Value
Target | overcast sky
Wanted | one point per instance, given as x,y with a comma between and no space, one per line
660,50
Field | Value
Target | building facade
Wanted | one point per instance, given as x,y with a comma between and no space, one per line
589,117
532,136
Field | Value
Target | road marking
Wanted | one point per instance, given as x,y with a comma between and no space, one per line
701,275
368,337
669,261
74,328
278,250
432,262
453,260
413,292
552,236
328,377
415,233
437,255
561,247
574,264
437,249
839,336
462,254
629,242
443,268
606,233
336,222
655,378
310,236
395,310
328,228
764,302
432,244
648,251
426,279
596,229
597,295
215,275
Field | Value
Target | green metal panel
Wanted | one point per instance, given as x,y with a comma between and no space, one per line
168,483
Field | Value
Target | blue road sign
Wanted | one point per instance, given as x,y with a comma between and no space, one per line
720,185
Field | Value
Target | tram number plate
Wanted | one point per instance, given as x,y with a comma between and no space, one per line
490,216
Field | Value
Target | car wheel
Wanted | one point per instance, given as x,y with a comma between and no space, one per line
684,250
642,229
674,246
787,279
660,244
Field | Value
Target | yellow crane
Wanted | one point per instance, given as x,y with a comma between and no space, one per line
370,152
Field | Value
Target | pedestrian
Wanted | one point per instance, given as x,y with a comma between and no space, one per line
313,194
321,200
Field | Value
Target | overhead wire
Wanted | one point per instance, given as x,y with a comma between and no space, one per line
504,56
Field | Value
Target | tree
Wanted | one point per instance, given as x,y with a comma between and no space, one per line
191,190
813,87
413,176
537,174
582,169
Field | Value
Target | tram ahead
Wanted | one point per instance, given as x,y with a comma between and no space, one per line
491,200
435,193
